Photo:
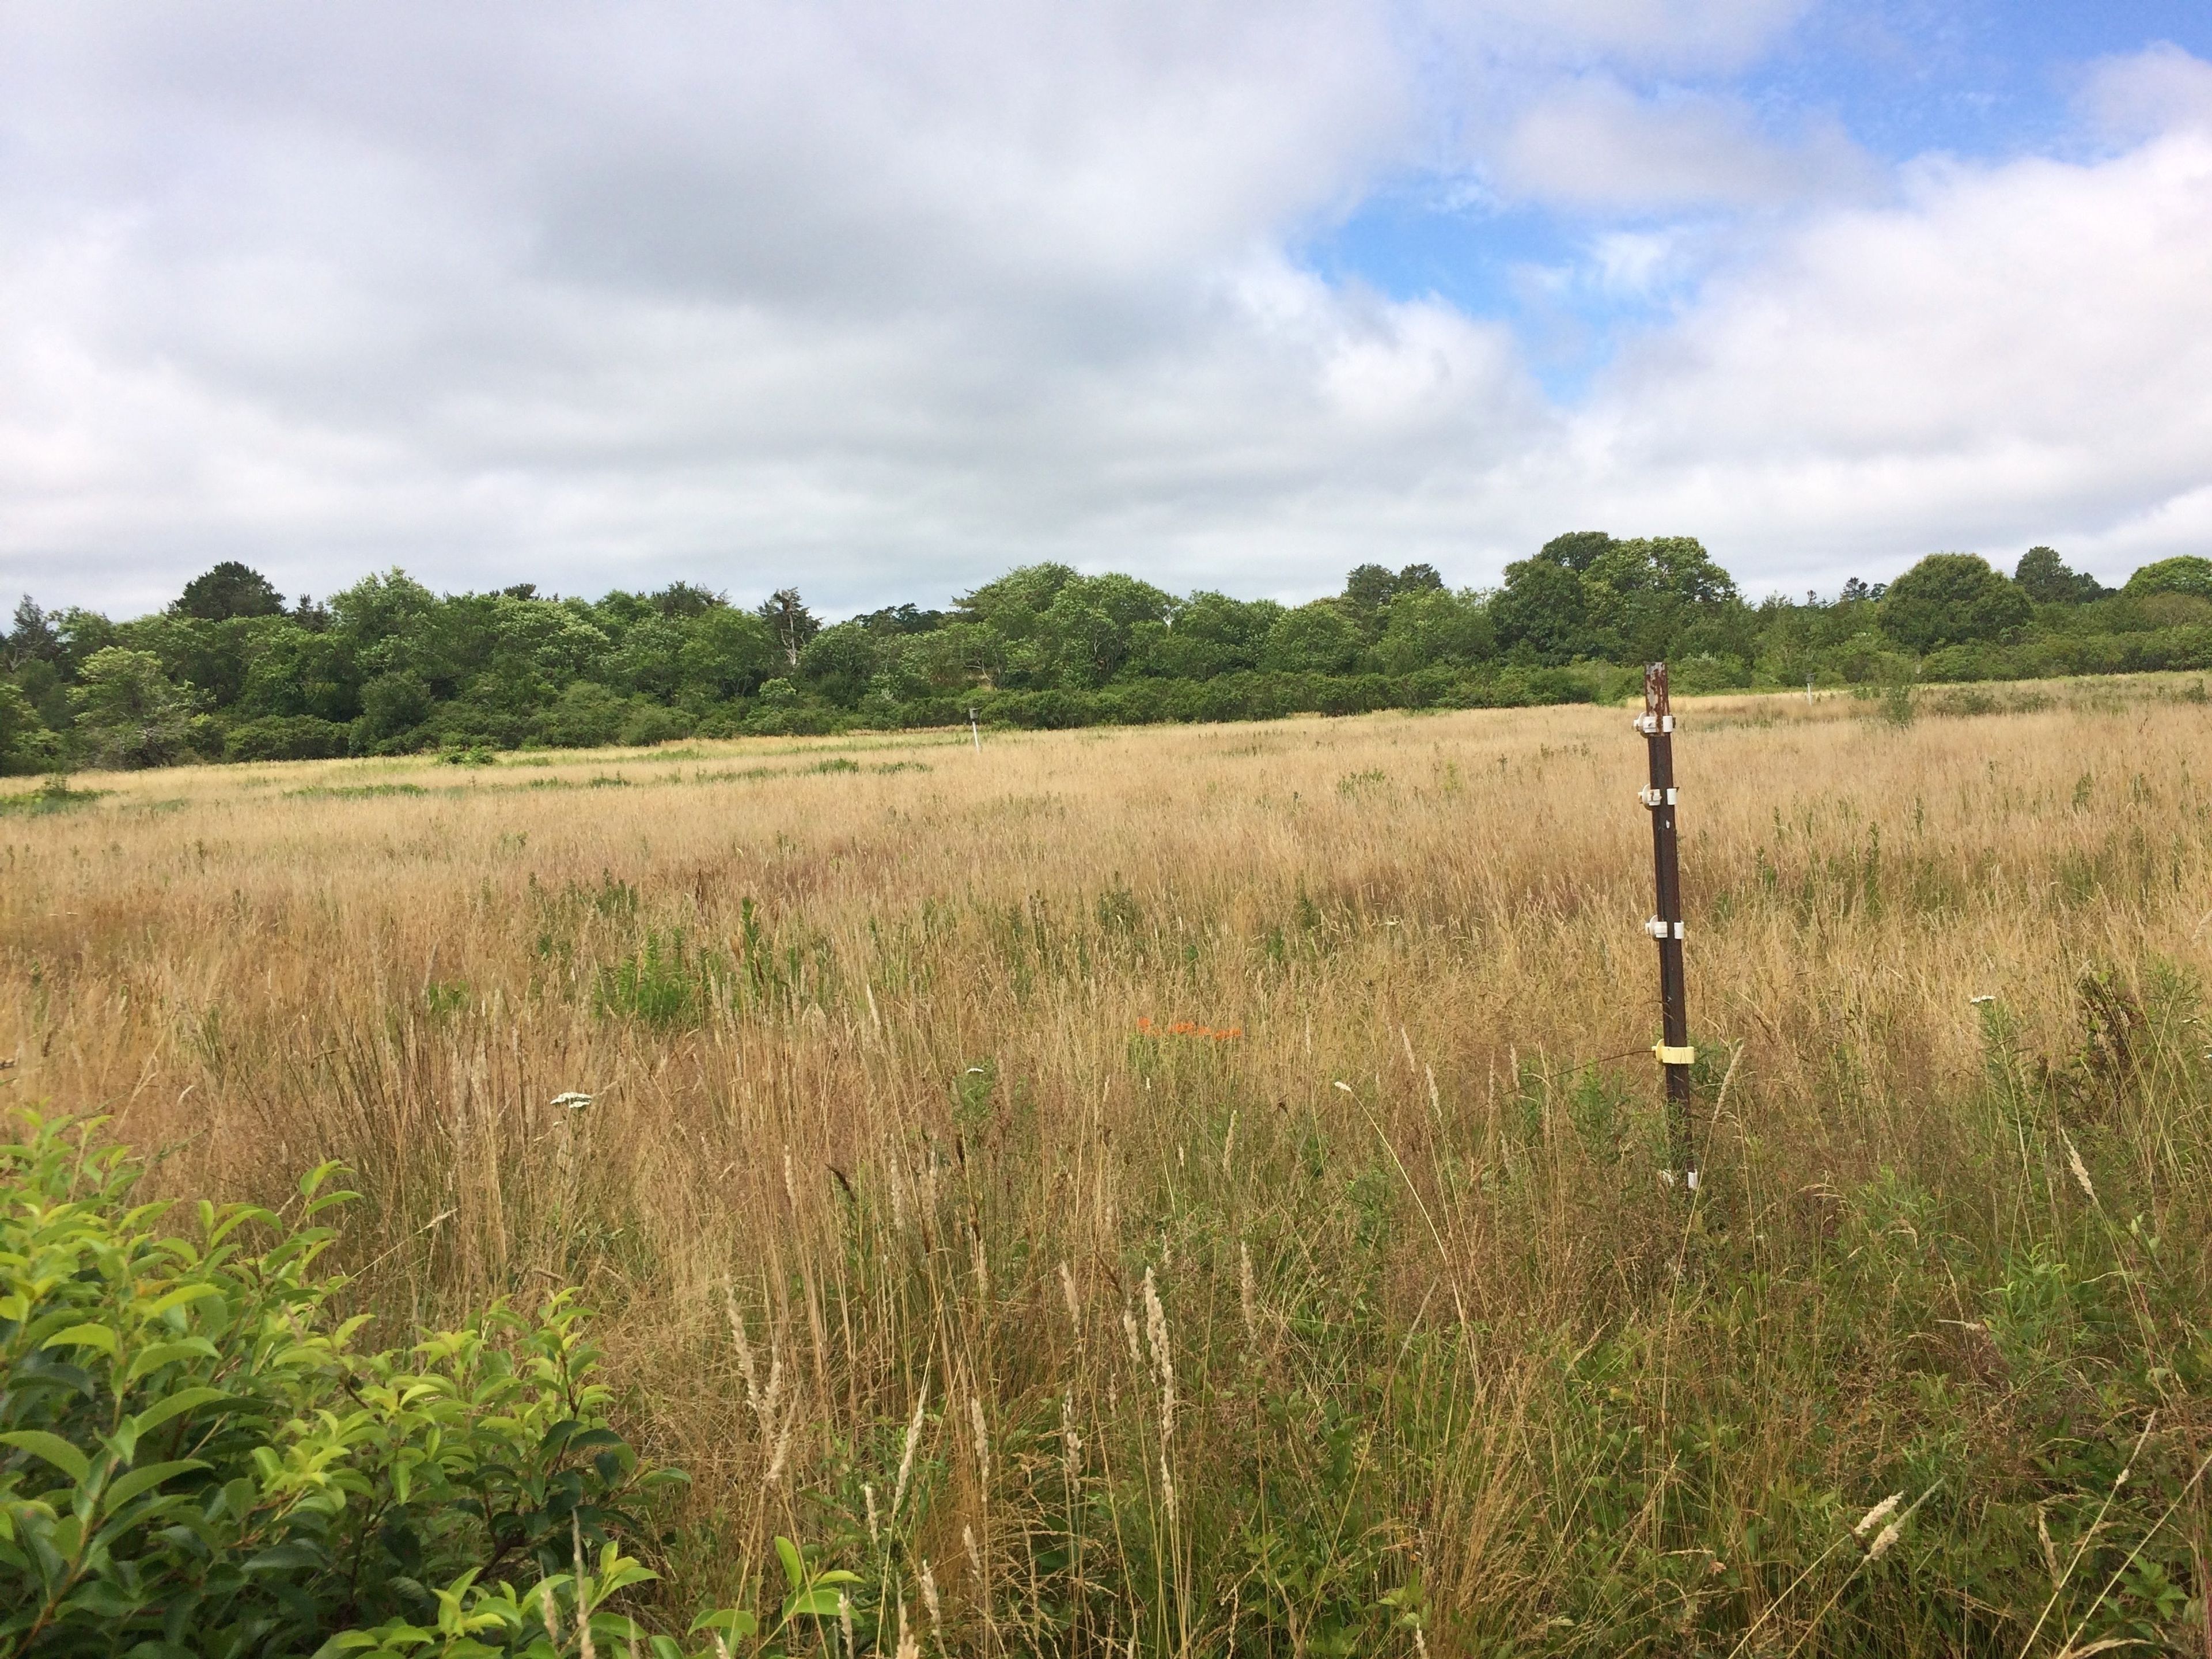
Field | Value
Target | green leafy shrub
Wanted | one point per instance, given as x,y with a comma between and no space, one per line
129,714
194,1459
662,982
287,737
54,795
25,744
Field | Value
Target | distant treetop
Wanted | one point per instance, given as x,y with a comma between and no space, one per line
230,589
2187,574
2044,578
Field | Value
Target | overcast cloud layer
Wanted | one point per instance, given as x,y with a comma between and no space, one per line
881,300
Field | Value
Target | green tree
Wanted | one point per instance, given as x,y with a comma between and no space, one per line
1541,608
1642,595
2187,574
34,637
1011,609
683,600
81,633
1087,630
902,619
536,647
588,716
649,655
215,658
385,617
392,705
727,654
2044,578
230,589
1577,551
1951,598
1369,590
838,663
1011,604
128,712
949,659
1314,639
789,621
26,746
1208,634
293,671
1433,628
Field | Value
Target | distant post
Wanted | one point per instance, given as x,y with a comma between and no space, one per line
975,731
1672,1050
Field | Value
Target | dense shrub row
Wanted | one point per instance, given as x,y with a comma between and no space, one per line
229,672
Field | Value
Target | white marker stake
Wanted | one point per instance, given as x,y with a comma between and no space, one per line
975,732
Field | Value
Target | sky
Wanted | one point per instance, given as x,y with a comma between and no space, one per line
882,300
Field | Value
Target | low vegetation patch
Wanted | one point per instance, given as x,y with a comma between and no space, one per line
1188,1190
200,1459
54,795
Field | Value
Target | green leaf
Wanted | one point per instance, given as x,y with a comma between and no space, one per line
103,1599
284,1558
55,1450
814,1603
182,1294
144,1479
624,1574
734,1621
151,1359
175,1405
316,1177
84,1336
787,1552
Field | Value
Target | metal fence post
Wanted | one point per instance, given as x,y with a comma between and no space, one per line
1672,1050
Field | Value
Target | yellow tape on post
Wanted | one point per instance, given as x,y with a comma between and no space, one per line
1671,1056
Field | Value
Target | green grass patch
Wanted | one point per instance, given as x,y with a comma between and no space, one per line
354,791
54,795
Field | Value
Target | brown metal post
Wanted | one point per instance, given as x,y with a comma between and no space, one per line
1673,1051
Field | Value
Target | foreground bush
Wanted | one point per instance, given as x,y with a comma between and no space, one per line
198,1461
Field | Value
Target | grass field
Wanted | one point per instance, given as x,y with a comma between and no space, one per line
1235,1143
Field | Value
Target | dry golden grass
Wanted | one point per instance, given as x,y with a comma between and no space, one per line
874,1052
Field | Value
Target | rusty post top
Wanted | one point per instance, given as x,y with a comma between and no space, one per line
1655,688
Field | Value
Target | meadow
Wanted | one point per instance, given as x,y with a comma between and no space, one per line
1194,1189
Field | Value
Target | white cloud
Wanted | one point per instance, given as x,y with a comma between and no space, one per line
1666,35
1635,263
1592,143
2015,353
2148,93
884,299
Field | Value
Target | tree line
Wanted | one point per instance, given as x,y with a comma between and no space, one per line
231,672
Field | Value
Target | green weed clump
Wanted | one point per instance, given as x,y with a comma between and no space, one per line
200,1461
663,982
54,795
